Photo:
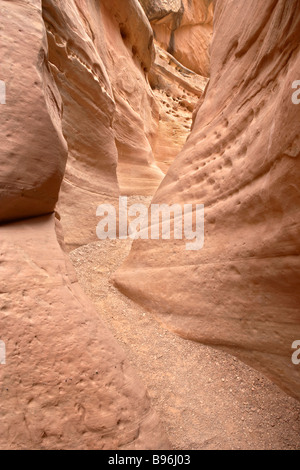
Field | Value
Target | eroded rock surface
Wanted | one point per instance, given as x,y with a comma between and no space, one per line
66,383
177,91
241,292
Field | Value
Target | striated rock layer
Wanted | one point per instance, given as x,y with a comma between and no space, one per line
130,53
100,54
89,108
66,383
241,292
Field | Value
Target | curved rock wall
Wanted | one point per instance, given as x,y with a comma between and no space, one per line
100,64
33,150
89,108
241,291
130,53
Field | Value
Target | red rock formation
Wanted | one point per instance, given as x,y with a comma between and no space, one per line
66,383
241,292
184,29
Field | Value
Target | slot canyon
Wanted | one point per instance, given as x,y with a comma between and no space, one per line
123,344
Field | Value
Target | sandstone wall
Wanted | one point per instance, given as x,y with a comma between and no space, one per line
33,150
100,54
241,292
66,383
130,53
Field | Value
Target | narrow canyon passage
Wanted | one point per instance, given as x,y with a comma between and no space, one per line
206,399
193,103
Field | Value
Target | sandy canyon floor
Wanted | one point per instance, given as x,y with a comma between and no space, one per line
206,399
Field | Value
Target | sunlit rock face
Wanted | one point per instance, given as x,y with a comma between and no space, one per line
184,29
100,54
66,383
241,292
